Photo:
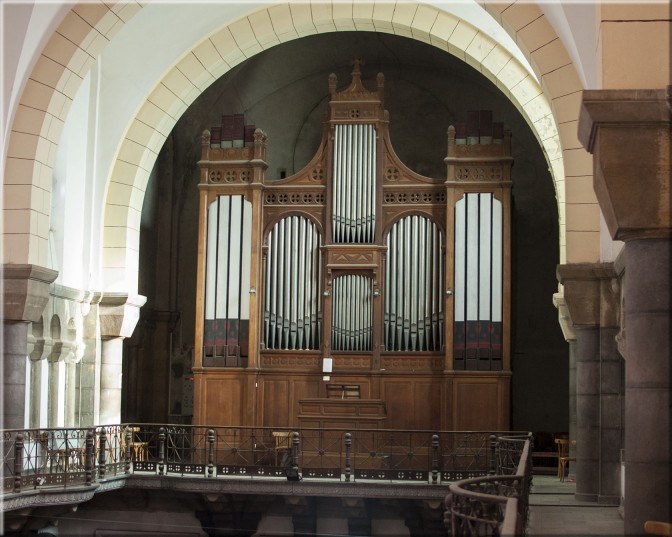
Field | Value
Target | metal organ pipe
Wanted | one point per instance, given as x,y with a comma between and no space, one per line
413,314
292,309
352,312
227,280
353,207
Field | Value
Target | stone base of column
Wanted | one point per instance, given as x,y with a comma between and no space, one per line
608,500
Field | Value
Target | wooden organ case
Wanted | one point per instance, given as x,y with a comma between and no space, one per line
355,272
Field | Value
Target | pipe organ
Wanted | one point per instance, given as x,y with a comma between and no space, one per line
355,271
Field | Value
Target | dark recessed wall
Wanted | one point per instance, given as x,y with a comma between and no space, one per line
284,92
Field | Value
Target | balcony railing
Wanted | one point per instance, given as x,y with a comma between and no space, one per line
66,457
495,504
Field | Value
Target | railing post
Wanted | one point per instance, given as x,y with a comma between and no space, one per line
211,452
18,461
88,458
128,436
348,444
295,453
435,458
493,454
101,452
162,449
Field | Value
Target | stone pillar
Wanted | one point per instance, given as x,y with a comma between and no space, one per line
110,381
26,292
570,336
14,373
611,392
119,314
628,133
572,406
582,298
592,300
647,382
587,413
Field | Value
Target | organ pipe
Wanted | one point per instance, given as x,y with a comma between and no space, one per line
227,281
352,312
292,298
413,316
354,200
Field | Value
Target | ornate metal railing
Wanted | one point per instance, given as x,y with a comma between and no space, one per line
495,504
64,457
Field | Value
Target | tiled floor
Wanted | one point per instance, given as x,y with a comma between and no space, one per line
554,511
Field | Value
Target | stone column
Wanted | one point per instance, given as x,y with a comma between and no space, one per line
110,381
570,336
647,382
611,392
119,314
571,473
628,133
14,373
26,294
582,297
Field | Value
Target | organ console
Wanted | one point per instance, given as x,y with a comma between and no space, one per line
402,280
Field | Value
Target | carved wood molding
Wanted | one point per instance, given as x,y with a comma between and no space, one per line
272,361
411,363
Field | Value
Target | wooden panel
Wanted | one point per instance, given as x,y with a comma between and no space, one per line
476,404
342,413
302,388
412,403
223,401
426,401
398,395
276,403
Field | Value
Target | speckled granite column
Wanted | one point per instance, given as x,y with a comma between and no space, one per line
572,406
647,382
581,293
569,333
611,391
628,133
587,413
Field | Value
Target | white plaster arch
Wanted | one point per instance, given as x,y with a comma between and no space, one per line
45,103
266,27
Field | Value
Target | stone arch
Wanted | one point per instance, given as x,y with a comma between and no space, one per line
267,27
40,115
88,27
529,27
55,327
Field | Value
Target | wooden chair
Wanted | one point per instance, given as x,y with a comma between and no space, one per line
65,457
139,450
283,443
563,456
653,527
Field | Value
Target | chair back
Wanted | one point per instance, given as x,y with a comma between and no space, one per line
563,446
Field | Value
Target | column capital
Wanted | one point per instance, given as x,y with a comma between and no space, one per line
26,291
119,313
628,133
583,291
